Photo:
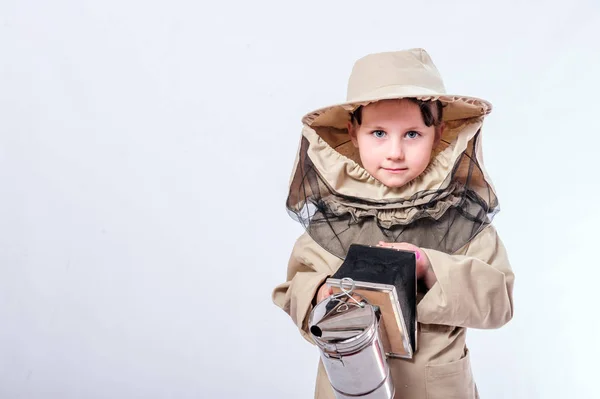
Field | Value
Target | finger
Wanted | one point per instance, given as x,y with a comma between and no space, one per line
403,246
418,255
320,296
326,293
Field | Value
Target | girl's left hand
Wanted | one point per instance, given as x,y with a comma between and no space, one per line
424,269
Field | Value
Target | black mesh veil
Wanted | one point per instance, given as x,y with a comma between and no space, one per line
443,216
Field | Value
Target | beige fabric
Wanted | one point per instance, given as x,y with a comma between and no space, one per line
474,289
398,74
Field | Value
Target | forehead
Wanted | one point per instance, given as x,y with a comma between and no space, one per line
392,111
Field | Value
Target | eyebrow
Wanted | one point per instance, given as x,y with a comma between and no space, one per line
377,127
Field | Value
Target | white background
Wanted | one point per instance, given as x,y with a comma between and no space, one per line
145,151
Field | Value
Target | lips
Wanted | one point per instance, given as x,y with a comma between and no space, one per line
395,170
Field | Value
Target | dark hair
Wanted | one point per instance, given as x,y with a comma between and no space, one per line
429,117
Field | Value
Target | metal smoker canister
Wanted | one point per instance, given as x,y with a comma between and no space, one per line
347,332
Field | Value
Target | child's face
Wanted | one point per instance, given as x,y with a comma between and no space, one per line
393,142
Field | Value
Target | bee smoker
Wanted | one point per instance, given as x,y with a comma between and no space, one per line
346,329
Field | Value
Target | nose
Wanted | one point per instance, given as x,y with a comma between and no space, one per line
395,150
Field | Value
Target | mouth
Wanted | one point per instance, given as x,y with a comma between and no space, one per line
395,170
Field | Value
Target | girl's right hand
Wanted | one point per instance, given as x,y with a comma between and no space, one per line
324,292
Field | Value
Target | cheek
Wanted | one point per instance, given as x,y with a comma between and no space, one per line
422,156
369,152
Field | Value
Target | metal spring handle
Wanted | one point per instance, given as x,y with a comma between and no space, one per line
347,286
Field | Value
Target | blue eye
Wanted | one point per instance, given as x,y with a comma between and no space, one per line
379,134
412,134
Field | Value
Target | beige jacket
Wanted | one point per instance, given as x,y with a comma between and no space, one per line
474,289
474,278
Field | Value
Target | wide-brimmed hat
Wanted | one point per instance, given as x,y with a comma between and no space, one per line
395,75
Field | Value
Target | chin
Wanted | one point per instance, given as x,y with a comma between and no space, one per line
395,183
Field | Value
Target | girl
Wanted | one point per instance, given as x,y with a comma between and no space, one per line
399,165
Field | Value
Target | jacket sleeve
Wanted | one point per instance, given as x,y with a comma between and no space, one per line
309,266
472,290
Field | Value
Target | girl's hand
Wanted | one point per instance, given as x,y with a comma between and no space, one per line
424,270
324,292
